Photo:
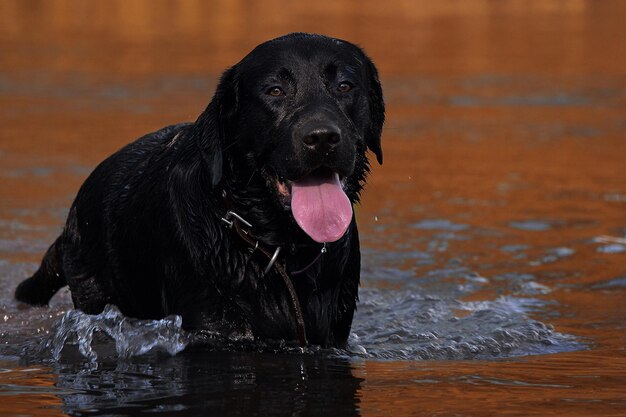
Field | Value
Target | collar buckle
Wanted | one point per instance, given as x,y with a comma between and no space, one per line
230,218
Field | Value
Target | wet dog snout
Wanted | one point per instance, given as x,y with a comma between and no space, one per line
322,138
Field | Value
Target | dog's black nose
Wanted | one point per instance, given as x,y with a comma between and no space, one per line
322,138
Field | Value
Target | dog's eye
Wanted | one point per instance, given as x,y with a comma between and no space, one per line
275,91
344,87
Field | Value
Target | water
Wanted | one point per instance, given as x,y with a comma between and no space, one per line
494,237
132,337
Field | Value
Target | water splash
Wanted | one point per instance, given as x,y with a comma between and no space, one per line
405,324
401,325
132,337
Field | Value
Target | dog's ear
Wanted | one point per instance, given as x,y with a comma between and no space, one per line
209,131
377,112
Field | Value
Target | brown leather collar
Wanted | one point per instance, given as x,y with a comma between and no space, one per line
242,229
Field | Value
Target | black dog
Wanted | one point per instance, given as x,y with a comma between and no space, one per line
241,222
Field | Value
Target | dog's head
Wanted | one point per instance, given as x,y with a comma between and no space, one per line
300,111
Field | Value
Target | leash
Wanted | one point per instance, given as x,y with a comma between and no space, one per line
234,221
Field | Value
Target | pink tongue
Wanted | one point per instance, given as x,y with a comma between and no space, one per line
320,207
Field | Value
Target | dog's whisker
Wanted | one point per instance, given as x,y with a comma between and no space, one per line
251,177
230,145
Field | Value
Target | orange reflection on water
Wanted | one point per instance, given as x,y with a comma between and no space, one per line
29,391
406,37
557,385
497,111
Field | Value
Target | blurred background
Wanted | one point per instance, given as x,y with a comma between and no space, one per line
81,78
503,185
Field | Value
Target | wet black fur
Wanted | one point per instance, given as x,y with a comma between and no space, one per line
145,231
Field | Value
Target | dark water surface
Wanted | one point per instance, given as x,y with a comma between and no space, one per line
494,275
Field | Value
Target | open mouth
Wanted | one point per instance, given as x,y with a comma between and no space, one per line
318,204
